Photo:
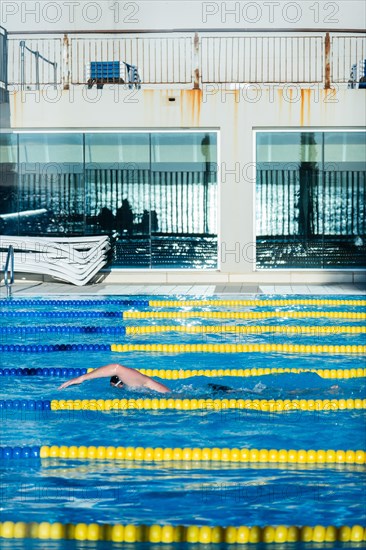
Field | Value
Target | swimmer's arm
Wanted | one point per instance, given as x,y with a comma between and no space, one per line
157,386
130,377
101,372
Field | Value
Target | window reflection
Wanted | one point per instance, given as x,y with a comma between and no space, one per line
154,193
310,197
51,184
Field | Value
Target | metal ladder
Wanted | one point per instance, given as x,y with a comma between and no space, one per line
9,271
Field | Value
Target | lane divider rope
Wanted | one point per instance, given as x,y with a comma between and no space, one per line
238,348
50,348
185,348
113,301
62,329
188,454
60,314
48,371
157,454
247,329
269,302
264,405
212,405
139,329
206,534
239,314
15,302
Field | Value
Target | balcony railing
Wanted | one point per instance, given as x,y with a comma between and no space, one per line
3,58
189,59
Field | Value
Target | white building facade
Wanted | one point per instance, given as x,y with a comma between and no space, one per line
234,153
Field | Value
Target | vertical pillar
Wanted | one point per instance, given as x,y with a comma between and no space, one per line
327,83
66,63
196,62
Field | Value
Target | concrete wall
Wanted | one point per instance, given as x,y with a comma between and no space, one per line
235,113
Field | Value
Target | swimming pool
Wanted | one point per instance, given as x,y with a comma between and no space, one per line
209,488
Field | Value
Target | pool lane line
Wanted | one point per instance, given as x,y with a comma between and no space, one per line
261,303
240,348
50,348
316,330
14,302
247,329
60,314
47,371
211,405
178,534
187,348
188,454
64,329
240,314
180,374
169,404
180,314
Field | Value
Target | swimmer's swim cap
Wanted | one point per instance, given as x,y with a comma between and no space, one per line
218,387
115,381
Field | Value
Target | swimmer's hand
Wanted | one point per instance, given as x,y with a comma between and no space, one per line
72,382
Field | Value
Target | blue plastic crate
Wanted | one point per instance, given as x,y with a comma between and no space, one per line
104,70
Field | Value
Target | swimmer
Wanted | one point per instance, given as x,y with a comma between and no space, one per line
218,388
119,376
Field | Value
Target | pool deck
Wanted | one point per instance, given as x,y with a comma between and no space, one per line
101,289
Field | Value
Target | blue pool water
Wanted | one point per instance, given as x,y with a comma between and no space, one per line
74,491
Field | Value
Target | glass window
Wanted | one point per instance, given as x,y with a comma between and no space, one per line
8,184
184,200
310,199
345,150
155,193
47,148
118,193
289,148
51,183
118,149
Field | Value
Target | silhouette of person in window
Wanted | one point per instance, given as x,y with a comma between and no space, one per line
145,222
106,219
124,218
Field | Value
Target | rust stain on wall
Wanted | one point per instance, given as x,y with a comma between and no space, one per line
305,108
302,108
190,110
327,56
309,94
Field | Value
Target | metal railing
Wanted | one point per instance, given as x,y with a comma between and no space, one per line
159,60
9,271
191,59
347,50
269,58
37,57
3,58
